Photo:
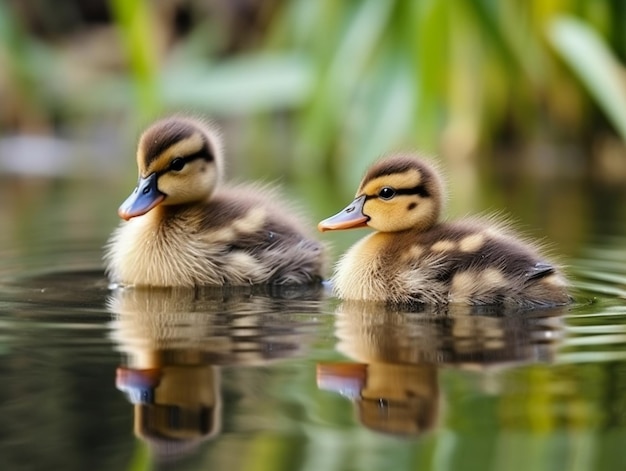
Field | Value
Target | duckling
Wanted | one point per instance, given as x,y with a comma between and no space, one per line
181,229
415,258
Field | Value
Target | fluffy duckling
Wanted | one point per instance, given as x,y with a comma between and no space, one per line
414,258
181,230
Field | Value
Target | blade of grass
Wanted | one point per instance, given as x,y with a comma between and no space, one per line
593,63
245,85
136,23
322,121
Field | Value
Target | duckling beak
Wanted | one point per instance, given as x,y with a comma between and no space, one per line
349,218
347,379
139,385
145,197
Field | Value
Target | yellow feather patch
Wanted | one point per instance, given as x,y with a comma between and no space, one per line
472,242
443,246
462,286
251,222
492,277
555,280
414,252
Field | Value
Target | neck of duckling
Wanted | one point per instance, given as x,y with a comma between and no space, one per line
419,228
152,217
409,232
167,211
426,225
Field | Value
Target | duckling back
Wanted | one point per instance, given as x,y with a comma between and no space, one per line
468,262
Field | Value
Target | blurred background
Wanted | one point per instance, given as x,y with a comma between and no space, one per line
523,102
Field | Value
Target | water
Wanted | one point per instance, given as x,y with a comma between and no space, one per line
102,379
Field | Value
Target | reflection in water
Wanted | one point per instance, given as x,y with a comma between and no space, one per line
175,341
396,385
57,362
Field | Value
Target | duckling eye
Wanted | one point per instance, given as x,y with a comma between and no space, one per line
386,193
177,164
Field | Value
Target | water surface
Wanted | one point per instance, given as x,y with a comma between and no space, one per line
98,378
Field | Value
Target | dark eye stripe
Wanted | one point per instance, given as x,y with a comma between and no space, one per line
201,154
416,190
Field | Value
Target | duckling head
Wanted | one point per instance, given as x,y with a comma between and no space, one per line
179,162
399,192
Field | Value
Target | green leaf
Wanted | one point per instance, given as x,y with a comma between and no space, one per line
248,84
594,64
134,19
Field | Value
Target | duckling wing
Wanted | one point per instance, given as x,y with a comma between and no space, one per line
482,265
261,244
539,270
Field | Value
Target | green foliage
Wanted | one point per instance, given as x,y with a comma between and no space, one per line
141,458
135,22
351,80
593,63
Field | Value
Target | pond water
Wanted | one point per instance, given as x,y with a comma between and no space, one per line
103,379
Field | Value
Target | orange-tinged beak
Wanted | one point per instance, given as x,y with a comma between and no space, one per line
345,378
145,197
139,385
351,217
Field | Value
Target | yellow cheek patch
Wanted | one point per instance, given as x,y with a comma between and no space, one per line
472,243
409,179
443,246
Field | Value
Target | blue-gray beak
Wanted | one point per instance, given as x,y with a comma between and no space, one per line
145,197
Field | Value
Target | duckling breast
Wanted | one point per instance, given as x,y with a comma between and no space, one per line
375,269
158,251
359,273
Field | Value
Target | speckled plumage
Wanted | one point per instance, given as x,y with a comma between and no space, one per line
238,236
413,258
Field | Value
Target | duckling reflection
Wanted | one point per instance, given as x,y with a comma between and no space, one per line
395,385
175,342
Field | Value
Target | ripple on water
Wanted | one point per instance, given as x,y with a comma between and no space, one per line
65,334
601,270
596,329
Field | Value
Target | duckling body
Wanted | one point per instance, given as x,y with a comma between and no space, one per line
414,258
182,231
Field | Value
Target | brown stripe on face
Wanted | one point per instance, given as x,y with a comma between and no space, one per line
407,182
163,135
416,172
389,166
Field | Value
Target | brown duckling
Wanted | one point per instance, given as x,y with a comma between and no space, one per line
415,258
182,230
